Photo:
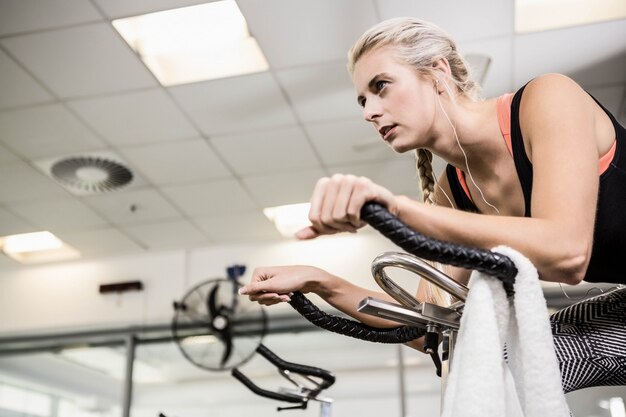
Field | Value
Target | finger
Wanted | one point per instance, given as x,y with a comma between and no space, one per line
344,196
325,223
307,233
317,200
263,296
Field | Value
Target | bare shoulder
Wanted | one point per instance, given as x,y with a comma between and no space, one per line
552,99
548,90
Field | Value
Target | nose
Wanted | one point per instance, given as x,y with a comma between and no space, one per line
371,110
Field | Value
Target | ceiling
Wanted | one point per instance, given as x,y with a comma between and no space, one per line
208,156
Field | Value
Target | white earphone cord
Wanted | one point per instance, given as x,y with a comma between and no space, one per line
469,172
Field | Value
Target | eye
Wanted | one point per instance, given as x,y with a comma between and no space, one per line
380,85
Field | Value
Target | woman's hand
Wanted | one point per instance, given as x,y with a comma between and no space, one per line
337,201
272,285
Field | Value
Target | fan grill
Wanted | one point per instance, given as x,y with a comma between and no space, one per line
113,175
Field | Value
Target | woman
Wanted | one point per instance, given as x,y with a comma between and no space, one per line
542,171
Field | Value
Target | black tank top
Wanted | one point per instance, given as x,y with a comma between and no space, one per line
609,238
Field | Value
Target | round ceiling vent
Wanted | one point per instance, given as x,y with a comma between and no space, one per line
91,174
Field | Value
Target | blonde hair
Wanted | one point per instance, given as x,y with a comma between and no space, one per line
420,44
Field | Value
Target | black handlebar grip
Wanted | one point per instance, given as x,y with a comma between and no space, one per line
326,376
352,328
263,392
415,243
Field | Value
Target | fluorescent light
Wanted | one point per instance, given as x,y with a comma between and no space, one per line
537,15
37,247
194,43
290,218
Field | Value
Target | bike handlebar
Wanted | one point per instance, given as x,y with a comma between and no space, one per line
415,243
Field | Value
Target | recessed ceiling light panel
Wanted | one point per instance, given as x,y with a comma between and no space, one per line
195,43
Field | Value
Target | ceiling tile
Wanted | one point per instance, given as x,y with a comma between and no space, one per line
133,207
498,79
100,242
168,235
238,227
177,162
216,197
80,61
320,92
325,29
58,214
29,15
592,54
266,151
348,141
123,8
135,118
399,176
18,88
477,19
20,182
11,224
280,189
44,131
235,104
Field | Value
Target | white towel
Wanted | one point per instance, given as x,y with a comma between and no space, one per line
481,384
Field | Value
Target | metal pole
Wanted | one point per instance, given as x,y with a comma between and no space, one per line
401,378
128,380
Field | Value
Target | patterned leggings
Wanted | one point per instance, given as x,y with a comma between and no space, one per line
590,341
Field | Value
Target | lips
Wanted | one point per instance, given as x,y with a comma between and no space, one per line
384,131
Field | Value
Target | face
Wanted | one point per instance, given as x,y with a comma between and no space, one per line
397,101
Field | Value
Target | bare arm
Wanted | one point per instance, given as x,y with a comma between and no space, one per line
557,120
272,285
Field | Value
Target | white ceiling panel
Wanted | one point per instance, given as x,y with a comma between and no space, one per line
29,15
325,29
464,20
398,176
239,227
135,118
320,92
348,141
278,189
216,197
11,224
80,61
266,151
168,235
498,79
100,242
235,104
20,182
44,131
589,53
133,207
18,88
123,8
177,162
58,214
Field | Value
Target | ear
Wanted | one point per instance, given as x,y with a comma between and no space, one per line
442,65
442,73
